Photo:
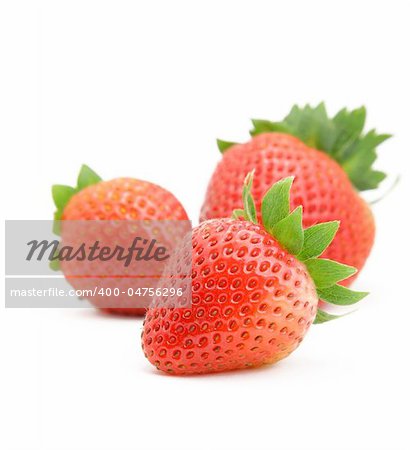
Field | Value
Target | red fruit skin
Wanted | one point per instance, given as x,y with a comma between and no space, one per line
252,304
321,186
121,199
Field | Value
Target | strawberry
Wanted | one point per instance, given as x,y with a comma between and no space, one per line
331,160
255,289
121,199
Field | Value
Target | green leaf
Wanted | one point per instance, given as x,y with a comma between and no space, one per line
54,265
289,231
312,125
317,238
248,202
87,177
360,147
57,223
326,272
341,137
370,180
339,295
238,213
276,203
265,126
323,316
61,195
358,160
349,126
224,145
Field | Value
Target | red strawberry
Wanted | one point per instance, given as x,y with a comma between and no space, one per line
331,160
255,290
121,199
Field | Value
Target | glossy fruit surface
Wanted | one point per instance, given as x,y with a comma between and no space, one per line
124,199
332,159
252,304
254,289
321,186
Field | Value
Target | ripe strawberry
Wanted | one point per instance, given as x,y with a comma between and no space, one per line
120,199
255,290
331,160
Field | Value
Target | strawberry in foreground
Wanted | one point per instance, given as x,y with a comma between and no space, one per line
119,199
331,160
255,289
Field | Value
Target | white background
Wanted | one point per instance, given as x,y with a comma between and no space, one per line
142,89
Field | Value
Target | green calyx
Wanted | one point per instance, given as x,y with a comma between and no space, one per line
341,137
62,194
307,245
224,145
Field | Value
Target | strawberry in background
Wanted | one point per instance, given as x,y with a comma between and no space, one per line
145,206
332,161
